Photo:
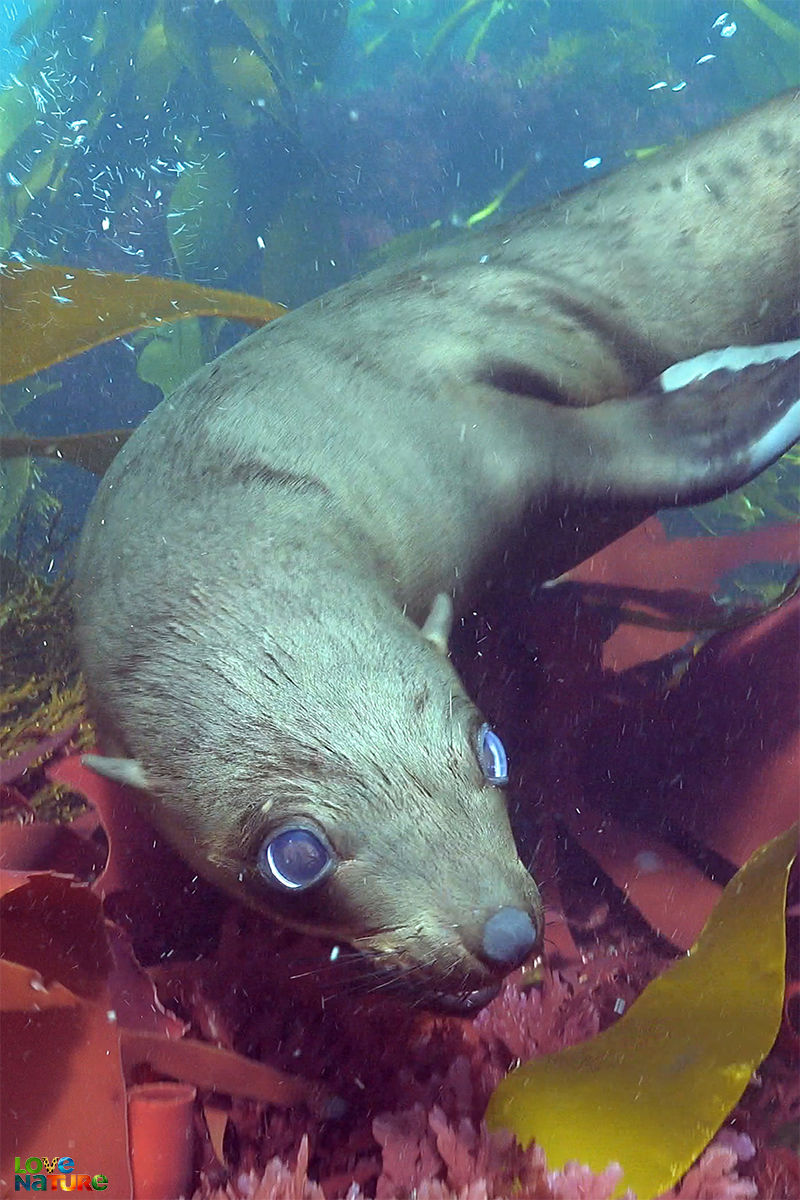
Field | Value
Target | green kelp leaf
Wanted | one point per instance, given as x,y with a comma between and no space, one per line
497,8
770,497
184,34
172,355
201,213
17,396
156,65
244,72
301,248
258,17
651,1091
489,209
38,178
766,50
246,81
453,23
782,28
17,112
52,313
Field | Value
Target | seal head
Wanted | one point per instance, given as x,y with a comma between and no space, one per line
363,805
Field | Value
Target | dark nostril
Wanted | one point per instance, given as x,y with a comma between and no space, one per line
508,937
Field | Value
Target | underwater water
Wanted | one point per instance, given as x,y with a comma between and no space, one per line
278,149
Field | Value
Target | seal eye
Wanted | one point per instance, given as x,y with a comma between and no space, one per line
492,756
295,859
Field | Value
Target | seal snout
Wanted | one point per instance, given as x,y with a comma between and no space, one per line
508,938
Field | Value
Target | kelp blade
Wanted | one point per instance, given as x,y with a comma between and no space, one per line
782,28
53,313
651,1091
93,451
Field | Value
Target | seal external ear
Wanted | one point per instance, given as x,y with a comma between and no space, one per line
704,427
121,770
439,622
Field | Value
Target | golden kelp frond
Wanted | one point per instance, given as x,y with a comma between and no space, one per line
650,1091
53,313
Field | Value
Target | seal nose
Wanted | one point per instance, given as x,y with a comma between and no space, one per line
508,937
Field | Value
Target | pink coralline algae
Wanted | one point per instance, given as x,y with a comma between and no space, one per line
715,1177
425,1157
418,1132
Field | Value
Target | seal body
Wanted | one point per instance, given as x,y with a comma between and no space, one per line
257,580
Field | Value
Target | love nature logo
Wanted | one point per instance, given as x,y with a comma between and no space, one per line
42,1174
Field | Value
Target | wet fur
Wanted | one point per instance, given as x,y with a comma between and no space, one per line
260,556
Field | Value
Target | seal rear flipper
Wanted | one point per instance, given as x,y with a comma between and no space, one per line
704,427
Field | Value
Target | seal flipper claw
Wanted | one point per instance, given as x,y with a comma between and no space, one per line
704,427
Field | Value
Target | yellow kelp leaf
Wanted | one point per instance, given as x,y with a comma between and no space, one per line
651,1091
52,313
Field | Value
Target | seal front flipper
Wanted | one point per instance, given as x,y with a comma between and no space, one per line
702,428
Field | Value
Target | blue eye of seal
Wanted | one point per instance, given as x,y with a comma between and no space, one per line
295,858
492,756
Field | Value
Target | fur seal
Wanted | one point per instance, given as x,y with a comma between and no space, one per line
267,575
